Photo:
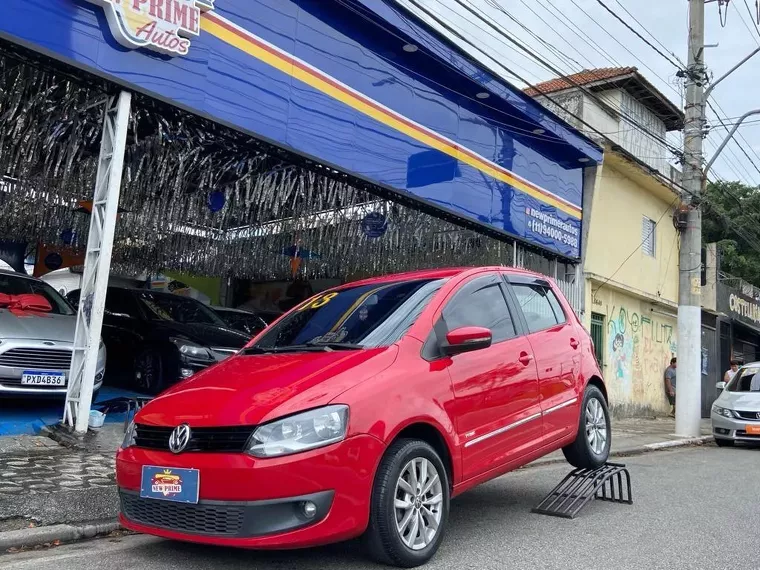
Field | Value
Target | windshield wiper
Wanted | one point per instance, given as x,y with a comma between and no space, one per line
335,345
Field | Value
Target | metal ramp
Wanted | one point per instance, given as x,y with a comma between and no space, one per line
610,482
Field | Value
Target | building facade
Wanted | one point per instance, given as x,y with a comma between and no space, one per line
631,302
630,251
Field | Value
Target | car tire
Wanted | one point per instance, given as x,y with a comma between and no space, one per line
149,372
591,447
724,442
408,536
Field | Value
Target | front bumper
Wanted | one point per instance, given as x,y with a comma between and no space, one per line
733,428
34,357
257,503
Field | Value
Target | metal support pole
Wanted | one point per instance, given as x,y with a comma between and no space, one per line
97,265
709,90
514,253
729,136
688,395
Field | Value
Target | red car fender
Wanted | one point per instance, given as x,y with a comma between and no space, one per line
401,408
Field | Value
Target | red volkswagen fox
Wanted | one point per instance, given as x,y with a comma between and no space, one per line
363,411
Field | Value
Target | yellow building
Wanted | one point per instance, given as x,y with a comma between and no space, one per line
631,271
630,246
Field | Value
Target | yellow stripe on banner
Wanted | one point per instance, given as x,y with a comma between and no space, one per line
313,80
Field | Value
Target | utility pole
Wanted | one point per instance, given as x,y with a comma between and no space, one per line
689,384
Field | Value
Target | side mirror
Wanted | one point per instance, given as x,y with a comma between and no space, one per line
466,339
721,385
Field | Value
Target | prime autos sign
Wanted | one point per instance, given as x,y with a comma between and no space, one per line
165,26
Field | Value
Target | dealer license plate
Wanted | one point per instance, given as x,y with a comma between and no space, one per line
752,430
170,484
42,378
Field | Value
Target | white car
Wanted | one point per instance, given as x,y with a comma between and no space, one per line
736,413
36,347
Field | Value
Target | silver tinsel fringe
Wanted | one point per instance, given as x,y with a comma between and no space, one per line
174,166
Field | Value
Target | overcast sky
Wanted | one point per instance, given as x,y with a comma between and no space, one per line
581,34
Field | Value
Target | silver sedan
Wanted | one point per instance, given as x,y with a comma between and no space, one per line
36,346
736,413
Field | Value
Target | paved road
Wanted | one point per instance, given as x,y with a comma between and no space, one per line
694,508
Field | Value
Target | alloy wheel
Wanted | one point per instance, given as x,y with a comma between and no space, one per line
418,503
596,426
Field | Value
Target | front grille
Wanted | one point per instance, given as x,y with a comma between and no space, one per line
216,439
748,415
208,519
37,358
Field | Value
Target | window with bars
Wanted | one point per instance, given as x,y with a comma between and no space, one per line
597,336
648,236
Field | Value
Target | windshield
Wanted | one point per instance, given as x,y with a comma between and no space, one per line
13,285
746,379
171,307
245,322
366,316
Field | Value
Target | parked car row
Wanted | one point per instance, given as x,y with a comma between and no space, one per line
150,340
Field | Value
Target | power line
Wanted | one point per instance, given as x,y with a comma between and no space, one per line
638,247
576,30
728,130
622,45
434,16
643,27
557,72
642,38
495,5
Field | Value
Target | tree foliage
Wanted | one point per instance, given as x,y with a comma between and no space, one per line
731,218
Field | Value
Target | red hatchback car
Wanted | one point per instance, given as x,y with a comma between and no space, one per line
362,411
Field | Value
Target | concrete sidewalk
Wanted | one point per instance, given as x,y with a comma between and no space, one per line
640,435
44,484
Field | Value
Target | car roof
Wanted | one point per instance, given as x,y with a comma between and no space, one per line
19,274
443,273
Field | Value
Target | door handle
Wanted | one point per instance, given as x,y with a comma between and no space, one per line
573,343
524,359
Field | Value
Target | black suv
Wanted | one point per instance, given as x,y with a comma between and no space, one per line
155,339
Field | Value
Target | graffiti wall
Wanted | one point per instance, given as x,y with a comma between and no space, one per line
639,344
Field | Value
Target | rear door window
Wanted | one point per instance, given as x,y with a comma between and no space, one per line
540,306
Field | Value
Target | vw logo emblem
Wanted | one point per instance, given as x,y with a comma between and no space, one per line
179,438
757,415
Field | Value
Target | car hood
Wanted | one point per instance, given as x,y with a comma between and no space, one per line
57,328
253,389
207,335
742,401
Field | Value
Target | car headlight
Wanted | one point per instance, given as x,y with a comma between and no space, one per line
308,430
129,436
724,412
192,350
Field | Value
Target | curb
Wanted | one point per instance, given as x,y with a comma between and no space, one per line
647,448
678,442
30,537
